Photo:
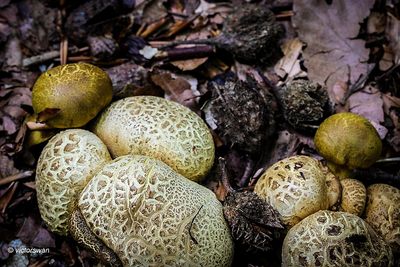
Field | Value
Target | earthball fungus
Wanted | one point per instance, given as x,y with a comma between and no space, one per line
329,238
66,164
347,141
296,187
159,128
149,215
354,196
382,212
71,95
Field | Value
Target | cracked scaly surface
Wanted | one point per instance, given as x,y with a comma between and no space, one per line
151,216
66,164
159,128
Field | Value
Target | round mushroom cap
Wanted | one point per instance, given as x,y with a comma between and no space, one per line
354,196
79,90
295,187
65,166
382,212
161,129
329,238
150,215
348,139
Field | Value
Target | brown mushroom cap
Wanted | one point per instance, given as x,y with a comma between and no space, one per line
382,212
348,139
328,238
66,164
161,129
354,196
79,90
151,216
295,187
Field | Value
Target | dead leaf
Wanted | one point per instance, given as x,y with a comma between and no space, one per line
332,54
367,103
177,87
289,65
393,34
189,64
32,233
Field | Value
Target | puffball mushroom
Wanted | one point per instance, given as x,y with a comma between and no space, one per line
382,212
328,238
159,128
354,196
150,215
348,141
295,187
78,91
66,164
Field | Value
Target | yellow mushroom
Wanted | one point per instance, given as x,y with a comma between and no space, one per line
354,196
329,238
296,187
159,128
65,166
149,215
382,212
78,91
347,141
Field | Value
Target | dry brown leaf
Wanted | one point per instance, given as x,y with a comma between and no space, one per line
332,54
368,103
289,65
189,64
176,87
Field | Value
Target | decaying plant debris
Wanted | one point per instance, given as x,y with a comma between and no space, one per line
262,74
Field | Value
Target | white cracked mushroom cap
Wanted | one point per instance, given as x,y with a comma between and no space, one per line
329,238
159,128
382,212
66,164
354,196
151,216
295,187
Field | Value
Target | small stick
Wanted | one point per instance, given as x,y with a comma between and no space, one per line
15,177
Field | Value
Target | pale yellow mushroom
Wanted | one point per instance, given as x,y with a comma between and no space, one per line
149,215
159,128
382,212
354,196
66,164
296,187
329,238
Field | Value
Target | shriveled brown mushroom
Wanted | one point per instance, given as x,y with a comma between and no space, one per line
329,238
382,212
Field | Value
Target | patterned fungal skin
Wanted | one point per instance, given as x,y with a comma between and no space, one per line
79,90
329,238
158,128
354,196
295,187
383,212
348,139
151,216
66,164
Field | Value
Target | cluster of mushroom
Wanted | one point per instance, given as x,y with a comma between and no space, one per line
333,220
127,190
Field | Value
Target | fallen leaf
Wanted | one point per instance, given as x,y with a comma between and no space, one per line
367,103
177,87
335,55
393,34
289,65
189,64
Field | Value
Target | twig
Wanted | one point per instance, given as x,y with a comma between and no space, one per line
27,62
15,177
224,174
186,53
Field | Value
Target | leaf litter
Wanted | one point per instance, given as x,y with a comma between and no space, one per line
351,47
